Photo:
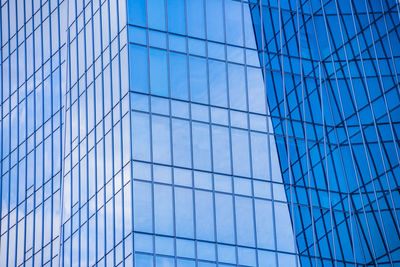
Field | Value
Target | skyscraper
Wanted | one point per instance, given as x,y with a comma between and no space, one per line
33,46
199,133
335,113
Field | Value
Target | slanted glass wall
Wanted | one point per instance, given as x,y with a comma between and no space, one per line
207,186
32,71
331,69
96,165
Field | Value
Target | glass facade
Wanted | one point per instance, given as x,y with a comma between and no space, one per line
206,181
333,91
32,78
199,133
96,211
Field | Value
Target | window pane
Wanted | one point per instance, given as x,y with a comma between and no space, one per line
140,136
195,18
161,140
158,72
181,143
142,207
244,221
179,77
184,212
201,146
138,69
221,149
198,80
176,16
204,215
156,13
163,214
224,217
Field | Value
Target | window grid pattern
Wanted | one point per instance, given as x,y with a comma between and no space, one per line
205,168
31,66
96,206
332,88
199,133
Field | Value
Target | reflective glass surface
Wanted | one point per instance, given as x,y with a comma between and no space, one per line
96,206
199,133
207,187
331,72
32,82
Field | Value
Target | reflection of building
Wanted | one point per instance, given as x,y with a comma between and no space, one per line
32,78
336,121
142,132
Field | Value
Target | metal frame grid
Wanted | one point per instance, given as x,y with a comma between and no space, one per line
199,133
95,229
337,123
205,168
31,71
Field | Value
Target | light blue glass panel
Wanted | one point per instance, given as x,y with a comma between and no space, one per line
179,76
158,72
161,140
259,154
181,143
265,224
144,260
184,212
234,28
221,149
156,14
140,136
138,68
176,16
137,12
224,218
226,254
256,93
204,215
163,211
195,18
244,221
142,207
237,87
215,22
217,80
201,146
240,153
198,80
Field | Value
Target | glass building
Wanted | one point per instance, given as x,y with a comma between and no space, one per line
200,133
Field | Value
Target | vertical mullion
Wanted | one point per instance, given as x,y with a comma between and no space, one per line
210,132
17,146
151,133
111,114
9,136
249,133
286,118
103,138
32,135
230,133
191,131
117,39
1,127
171,132
86,135
268,119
